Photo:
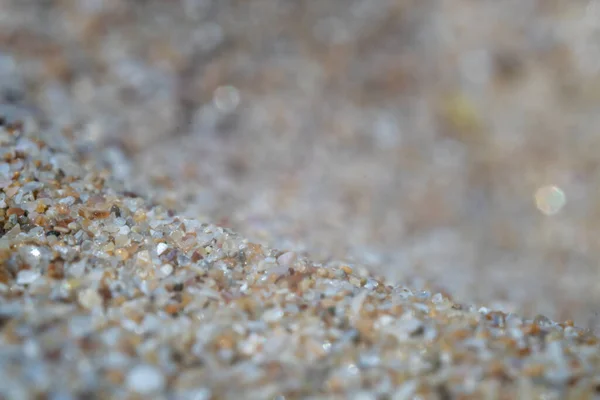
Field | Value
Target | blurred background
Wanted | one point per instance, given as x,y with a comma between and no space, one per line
449,141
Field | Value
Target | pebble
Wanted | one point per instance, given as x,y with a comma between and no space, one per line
145,379
89,298
287,259
161,248
166,269
26,277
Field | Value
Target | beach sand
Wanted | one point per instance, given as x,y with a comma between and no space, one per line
407,158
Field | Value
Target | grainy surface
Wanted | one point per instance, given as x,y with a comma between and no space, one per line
105,296
426,140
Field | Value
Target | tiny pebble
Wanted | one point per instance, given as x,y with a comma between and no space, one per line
166,269
145,379
26,277
161,248
287,259
89,298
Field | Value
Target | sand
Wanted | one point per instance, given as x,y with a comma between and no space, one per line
396,152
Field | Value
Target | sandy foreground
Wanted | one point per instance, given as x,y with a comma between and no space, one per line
409,158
